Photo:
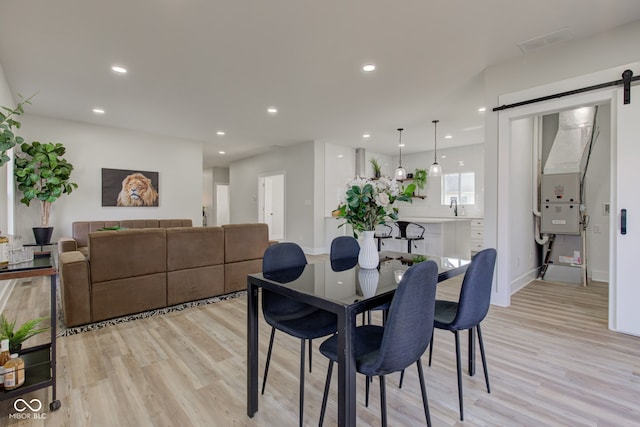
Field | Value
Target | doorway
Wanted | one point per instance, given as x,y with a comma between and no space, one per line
623,294
222,204
271,204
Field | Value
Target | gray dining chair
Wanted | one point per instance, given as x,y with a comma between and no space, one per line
381,350
467,313
284,262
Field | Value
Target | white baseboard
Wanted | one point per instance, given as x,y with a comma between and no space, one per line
523,280
599,276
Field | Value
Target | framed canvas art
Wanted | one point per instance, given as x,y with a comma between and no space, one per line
129,188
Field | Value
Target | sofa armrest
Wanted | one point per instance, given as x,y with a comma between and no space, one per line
75,288
67,244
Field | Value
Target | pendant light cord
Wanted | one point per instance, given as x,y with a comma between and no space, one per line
400,146
435,140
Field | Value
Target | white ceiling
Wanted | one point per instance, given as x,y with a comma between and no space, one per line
199,66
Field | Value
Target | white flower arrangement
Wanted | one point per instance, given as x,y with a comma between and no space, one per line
367,203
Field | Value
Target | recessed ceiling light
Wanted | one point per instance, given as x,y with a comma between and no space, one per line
366,135
340,156
272,110
461,163
443,156
448,136
221,152
482,109
118,69
368,68
220,132
98,110
400,145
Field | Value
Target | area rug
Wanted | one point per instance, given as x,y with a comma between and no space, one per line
63,331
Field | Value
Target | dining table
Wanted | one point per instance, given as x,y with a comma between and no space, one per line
340,287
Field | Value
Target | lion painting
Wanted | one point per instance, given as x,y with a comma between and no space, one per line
137,190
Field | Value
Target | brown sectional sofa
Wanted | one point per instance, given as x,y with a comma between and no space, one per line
134,270
80,230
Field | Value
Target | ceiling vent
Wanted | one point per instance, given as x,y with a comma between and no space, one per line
545,40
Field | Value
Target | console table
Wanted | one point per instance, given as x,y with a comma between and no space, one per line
39,361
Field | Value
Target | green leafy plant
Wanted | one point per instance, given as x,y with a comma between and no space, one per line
43,174
112,228
420,178
418,258
17,336
8,139
377,168
368,203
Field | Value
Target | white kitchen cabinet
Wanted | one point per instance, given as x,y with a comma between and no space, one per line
477,235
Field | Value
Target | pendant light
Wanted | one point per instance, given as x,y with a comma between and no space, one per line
435,170
401,173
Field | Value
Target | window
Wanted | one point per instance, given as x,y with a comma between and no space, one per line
461,186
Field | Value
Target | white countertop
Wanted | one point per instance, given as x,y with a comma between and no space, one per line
435,220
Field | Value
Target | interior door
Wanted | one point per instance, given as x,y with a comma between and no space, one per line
272,205
627,242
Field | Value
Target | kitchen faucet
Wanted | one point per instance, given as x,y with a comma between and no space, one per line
454,205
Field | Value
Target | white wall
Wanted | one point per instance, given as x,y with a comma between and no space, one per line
521,220
472,156
91,148
549,66
302,211
598,184
339,165
6,100
218,176
208,195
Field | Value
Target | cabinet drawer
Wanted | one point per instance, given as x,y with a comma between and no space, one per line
477,234
477,223
476,246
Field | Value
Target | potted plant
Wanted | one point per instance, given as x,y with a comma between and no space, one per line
420,178
377,168
368,203
8,139
17,336
43,174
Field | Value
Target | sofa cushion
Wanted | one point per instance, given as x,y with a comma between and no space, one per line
127,253
169,223
120,297
194,284
235,274
244,242
191,247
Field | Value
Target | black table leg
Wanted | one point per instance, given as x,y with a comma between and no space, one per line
252,350
346,369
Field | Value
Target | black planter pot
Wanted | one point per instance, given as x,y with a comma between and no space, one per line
42,235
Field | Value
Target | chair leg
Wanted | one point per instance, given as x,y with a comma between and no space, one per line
484,360
310,353
367,381
459,367
301,380
327,383
266,366
423,388
383,401
431,347
369,317
401,379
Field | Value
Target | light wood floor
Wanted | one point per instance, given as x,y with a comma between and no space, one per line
552,362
